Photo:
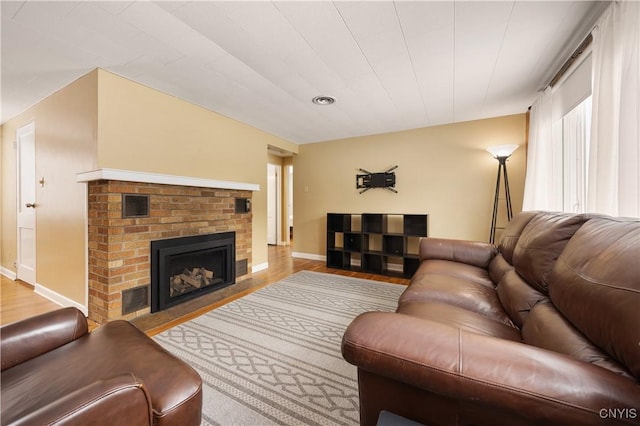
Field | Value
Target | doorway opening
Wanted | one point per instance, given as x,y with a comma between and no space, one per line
279,197
274,203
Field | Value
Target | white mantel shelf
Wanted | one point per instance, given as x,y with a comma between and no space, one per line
143,177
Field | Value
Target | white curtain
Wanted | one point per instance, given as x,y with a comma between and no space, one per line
543,181
613,179
575,133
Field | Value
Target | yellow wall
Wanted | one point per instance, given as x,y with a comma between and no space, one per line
65,133
443,171
142,129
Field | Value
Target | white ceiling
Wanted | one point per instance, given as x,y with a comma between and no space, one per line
390,65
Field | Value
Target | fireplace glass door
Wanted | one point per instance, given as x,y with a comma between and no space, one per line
187,267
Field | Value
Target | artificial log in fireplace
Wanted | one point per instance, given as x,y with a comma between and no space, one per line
188,267
190,280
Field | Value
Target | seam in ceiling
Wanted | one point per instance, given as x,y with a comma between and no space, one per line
495,63
384,87
413,67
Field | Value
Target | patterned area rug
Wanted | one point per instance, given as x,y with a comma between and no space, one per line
273,357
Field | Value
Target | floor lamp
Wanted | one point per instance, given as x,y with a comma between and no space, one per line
501,153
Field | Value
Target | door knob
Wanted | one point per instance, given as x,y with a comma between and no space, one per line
30,205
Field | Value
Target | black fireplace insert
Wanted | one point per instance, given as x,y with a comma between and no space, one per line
188,267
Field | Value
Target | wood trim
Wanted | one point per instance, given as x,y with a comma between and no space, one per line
143,177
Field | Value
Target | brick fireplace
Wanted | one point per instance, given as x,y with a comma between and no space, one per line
119,246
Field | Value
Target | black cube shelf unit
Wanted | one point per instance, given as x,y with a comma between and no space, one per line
376,243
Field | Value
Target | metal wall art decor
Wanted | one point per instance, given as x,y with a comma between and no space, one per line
386,180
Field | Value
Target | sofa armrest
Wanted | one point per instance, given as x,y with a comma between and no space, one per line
491,375
29,338
116,401
470,252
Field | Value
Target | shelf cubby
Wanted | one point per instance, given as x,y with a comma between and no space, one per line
373,223
338,222
335,259
393,245
411,265
412,245
415,225
335,240
353,242
372,243
393,266
372,263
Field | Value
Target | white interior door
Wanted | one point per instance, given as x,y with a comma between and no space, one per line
26,208
273,203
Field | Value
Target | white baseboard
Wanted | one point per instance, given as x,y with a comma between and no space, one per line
51,295
310,256
59,299
8,273
396,267
260,267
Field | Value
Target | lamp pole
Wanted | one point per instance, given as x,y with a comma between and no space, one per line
502,169
501,153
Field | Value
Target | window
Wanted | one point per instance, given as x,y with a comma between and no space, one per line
571,112
575,135
584,153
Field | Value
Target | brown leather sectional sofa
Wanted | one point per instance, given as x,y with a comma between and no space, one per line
543,329
55,372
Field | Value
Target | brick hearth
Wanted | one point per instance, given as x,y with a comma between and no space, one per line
119,248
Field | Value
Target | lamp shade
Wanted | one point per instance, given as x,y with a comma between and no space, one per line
502,150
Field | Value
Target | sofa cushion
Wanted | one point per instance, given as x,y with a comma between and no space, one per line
546,328
512,233
596,286
460,318
469,294
454,269
540,244
502,262
498,267
517,297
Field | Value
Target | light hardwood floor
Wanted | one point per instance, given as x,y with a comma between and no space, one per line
18,300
